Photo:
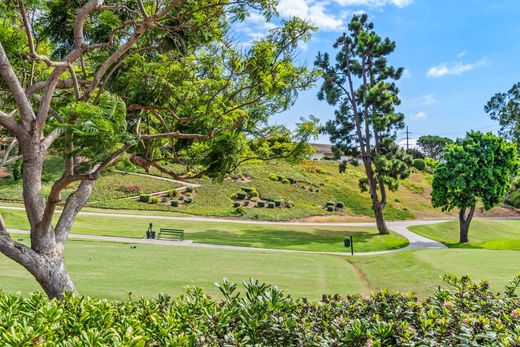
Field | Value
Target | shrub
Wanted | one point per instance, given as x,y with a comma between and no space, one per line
430,162
154,200
419,164
172,193
286,181
247,189
144,198
330,208
461,313
236,204
261,203
239,210
188,200
187,194
340,204
190,189
174,203
271,204
273,177
241,195
233,196
330,203
254,193
278,202
289,204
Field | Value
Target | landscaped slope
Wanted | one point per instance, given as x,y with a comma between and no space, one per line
302,191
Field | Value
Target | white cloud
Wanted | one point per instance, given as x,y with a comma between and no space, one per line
421,101
374,3
327,17
454,68
462,54
419,115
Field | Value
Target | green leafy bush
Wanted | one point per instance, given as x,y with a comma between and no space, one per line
188,200
144,198
286,181
340,204
241,195
236,204
154,200
261,203
289,204
254,193
330,208
464,313
247,189
174,203
330,203
190,189
278,202
271,204
273,177
419,164
172,193
430,162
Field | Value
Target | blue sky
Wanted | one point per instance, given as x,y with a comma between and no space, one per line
456,53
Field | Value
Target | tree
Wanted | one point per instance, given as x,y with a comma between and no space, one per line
433,146
478,168
505,108
362,86
91,81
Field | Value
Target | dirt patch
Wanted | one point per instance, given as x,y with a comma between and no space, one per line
361,275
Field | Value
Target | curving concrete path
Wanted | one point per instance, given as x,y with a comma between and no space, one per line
401,228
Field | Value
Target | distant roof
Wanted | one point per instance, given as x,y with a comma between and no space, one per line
322,148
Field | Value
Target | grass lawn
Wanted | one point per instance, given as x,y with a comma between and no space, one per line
483,233
420,271
113,270
307,238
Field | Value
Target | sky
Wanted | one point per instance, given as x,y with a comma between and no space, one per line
456,54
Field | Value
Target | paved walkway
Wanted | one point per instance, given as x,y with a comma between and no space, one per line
401,228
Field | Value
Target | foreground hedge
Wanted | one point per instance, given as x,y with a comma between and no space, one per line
466,313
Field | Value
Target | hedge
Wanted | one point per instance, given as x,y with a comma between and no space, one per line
144,198
463,314
261,203
174,203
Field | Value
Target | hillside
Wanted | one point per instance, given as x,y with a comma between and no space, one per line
302,190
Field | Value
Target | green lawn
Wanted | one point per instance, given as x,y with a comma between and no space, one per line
113,270
307,238
483,233
420,271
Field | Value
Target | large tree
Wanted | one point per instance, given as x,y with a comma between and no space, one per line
433,146
476,169
91,80
362,86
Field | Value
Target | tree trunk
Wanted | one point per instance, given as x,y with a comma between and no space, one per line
380,219
53,278
464,222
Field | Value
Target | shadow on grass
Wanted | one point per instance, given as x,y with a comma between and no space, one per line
318,240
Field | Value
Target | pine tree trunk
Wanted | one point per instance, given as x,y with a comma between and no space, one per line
380,219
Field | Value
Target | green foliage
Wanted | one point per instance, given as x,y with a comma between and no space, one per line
174,203
261,203
271,204
261,314
329,203
285,181
188,200
476,168
419,164
431,163
505,108
340,204
278,202
236,204
433,146
144,198
330,208
154,200
172,193
189,189
241,195
273,177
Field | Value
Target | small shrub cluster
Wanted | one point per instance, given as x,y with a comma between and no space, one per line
288,180
332,206
464,313
419,164
245,197
282,179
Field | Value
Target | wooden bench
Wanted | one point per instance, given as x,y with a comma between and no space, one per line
175,233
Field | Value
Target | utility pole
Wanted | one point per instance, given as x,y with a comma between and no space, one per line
407,139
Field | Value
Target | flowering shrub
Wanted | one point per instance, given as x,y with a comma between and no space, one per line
466,313
132,189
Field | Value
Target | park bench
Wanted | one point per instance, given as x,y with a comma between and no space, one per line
171,233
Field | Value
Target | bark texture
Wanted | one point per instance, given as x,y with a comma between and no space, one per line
465,217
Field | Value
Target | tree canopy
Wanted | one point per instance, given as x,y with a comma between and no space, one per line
433,146
476,169
505,108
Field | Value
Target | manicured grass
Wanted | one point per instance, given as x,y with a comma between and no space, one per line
420,271
113,270
307,238
483,233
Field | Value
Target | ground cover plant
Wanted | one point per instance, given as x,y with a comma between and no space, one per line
486,233
460,313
